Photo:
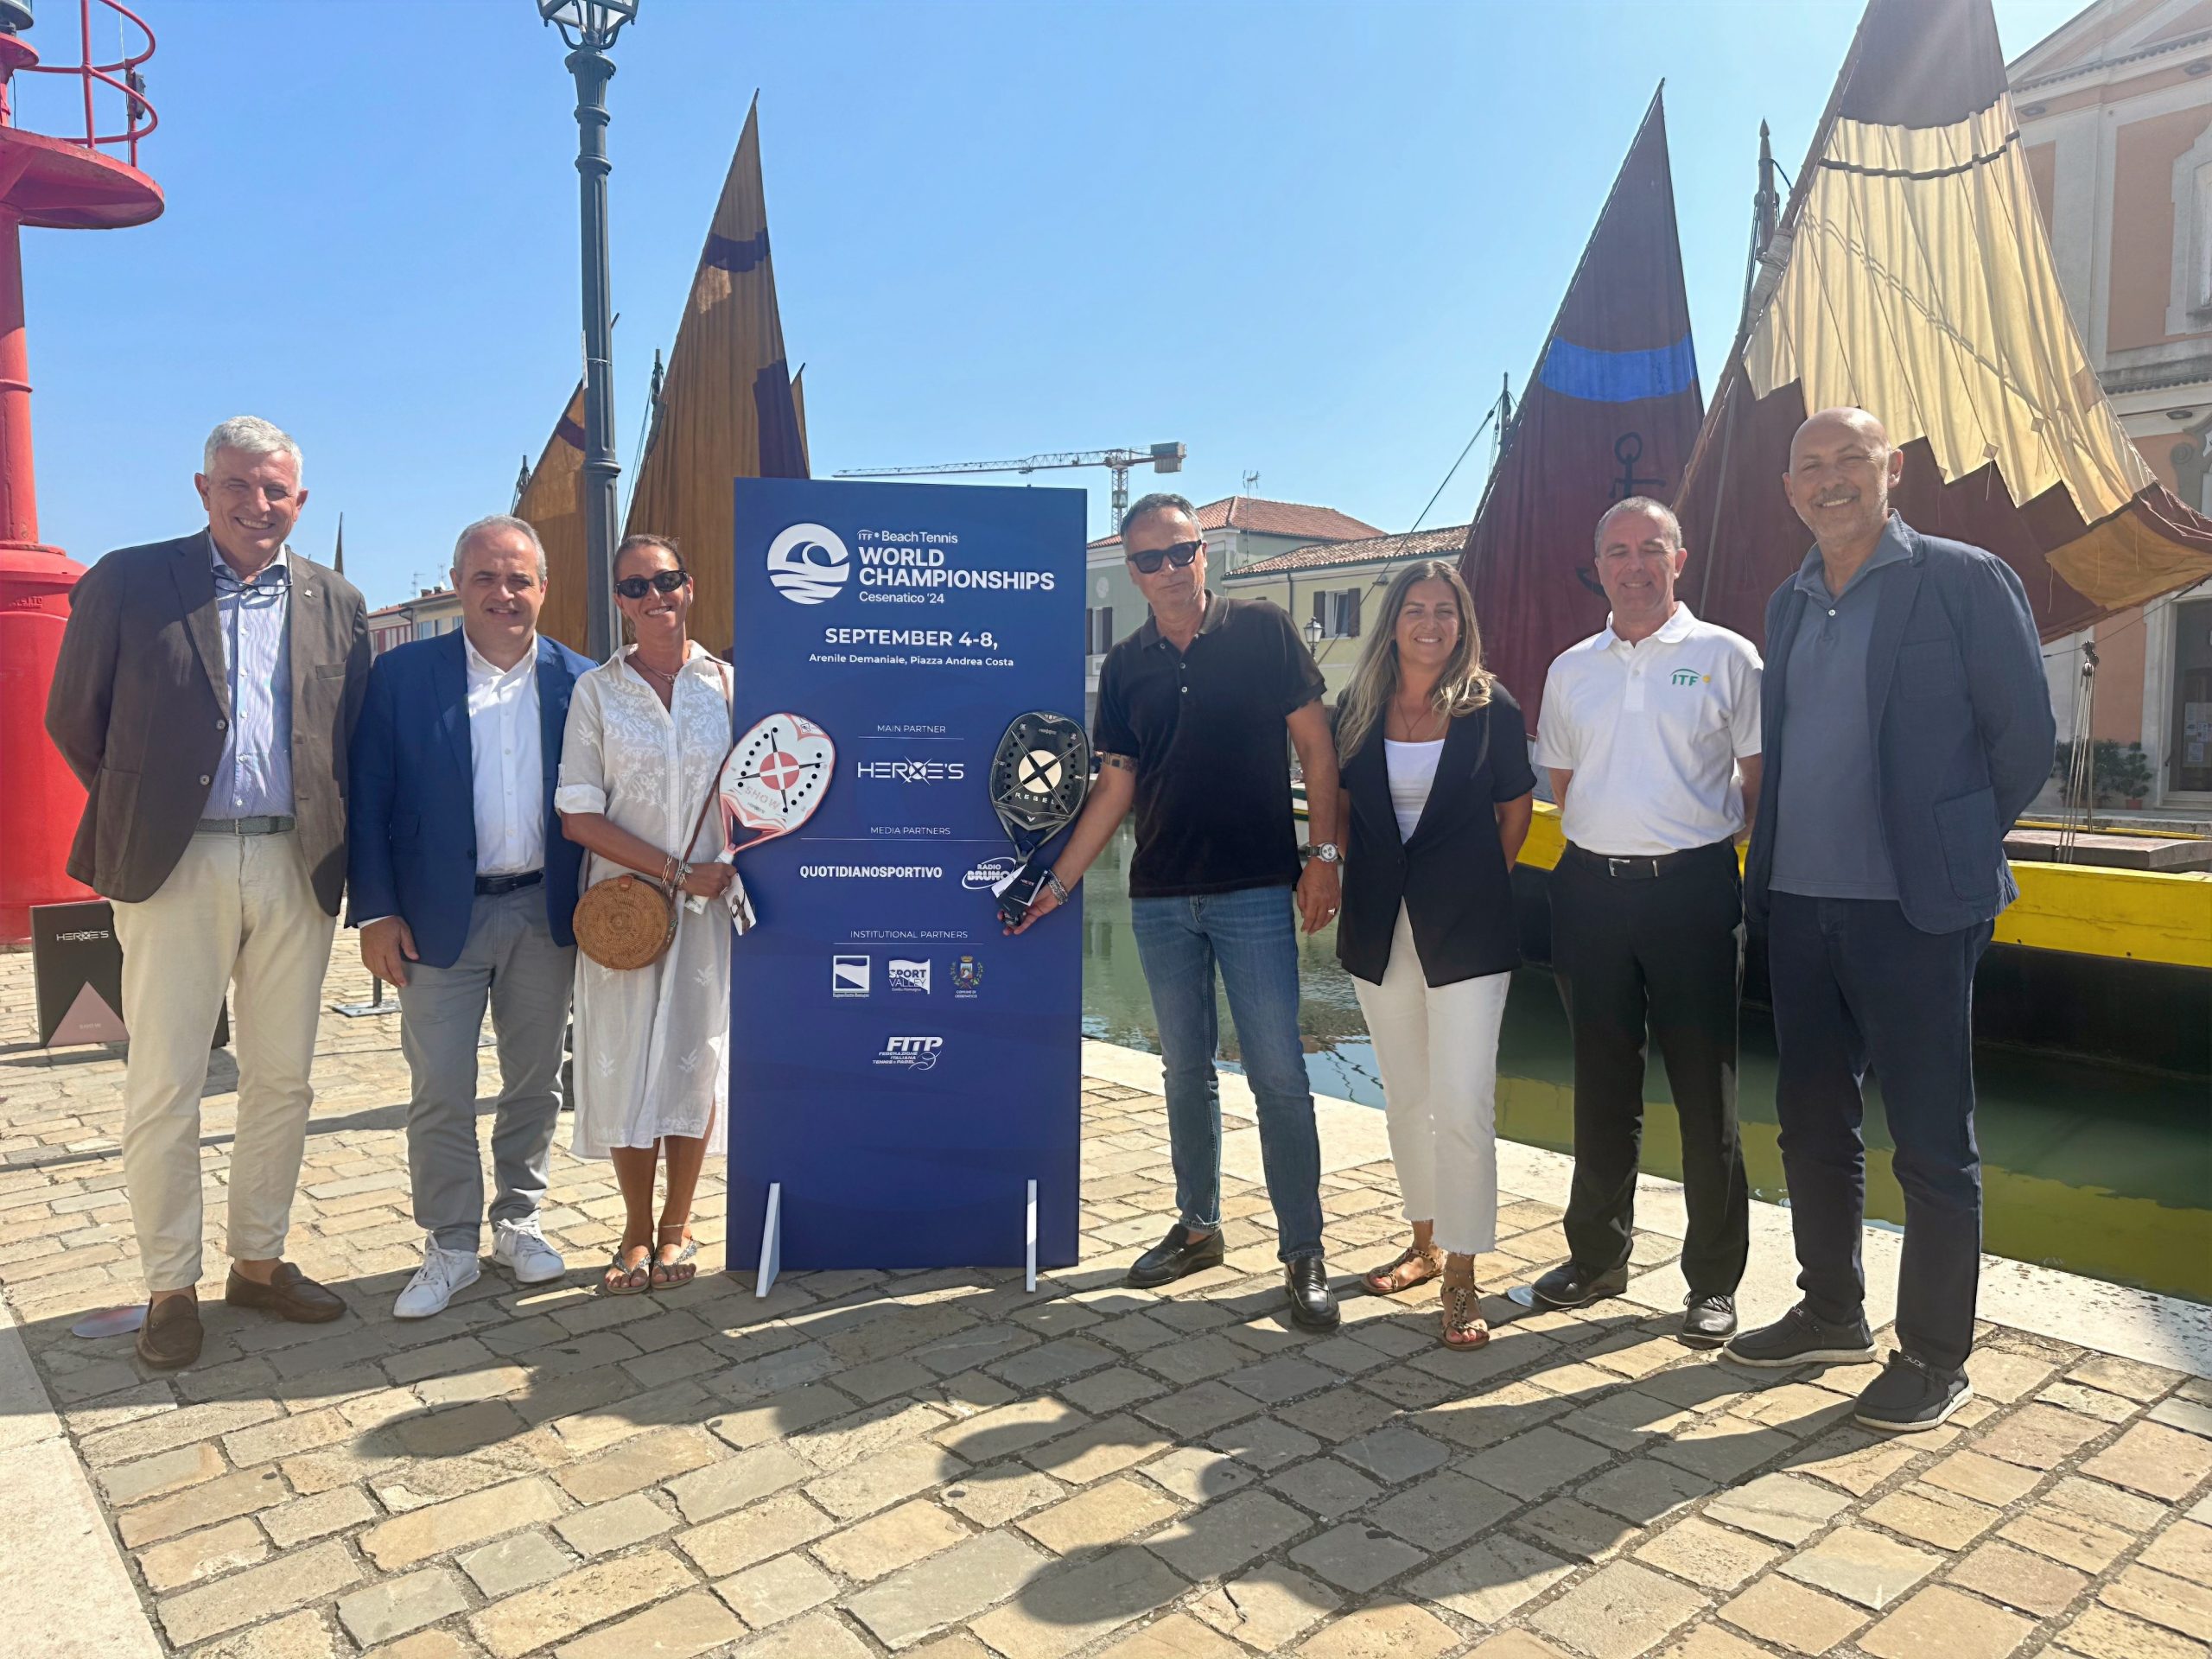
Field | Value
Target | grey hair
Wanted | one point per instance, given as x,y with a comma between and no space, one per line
1160,501
1658,510
250,435
499,521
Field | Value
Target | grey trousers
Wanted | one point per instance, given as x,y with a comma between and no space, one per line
511,960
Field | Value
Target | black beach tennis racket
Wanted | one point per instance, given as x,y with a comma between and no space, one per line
1039,778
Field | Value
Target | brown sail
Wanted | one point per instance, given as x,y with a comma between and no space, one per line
552,503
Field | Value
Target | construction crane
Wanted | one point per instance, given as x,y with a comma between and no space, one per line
1160,457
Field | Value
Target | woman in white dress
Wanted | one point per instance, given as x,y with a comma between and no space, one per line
646,736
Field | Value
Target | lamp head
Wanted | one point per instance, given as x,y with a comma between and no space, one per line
591,24
15,15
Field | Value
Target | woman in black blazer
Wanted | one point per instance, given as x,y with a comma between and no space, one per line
1438,794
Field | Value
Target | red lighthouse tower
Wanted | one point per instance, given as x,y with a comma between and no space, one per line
69,181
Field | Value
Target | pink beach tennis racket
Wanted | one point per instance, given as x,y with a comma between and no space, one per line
774,779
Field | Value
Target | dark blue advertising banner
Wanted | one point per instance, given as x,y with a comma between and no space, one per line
900,1071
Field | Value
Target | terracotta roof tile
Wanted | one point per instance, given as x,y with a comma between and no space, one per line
1441,543
1264,518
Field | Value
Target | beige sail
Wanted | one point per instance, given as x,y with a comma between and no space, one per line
552,503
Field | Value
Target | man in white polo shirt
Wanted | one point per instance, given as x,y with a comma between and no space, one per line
1650,733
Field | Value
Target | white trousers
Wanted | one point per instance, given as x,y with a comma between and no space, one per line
235,910
1437,1047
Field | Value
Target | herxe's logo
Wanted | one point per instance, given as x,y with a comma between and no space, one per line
916,1053
988,874
809,563
911,772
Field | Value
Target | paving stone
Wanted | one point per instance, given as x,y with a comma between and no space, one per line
885,1542
1268,1607
1862,1566
1195,1475
946,1589
606,1528
1790,1615
2185,1550
514,1563
1932,1515
2166,1463
777,1590
1571,1528
820,1635
1724,1449
878,1481
1265,1443
2065,1535
1537,1461
1857,1461
1355,1557
1218,1539
2131,1377
1780,1507
2101,1633
201,1555
1490,1579
1103,1392
242,1597
1104,1514
780,1416
1939,1620
298,1636
1178,1636
1445,1510
1644,1491
1056,1613
644,1460
406,1539
991,1498
1986,1480
248,1493
165,1471
1189,1413
731,1542
394,1606
677,1629
1997,1375
1694,1549
2019,1578
2109,1505
1709,1641
1619,1611
2039,1436
1382,1630
1394,1453
1327,1487
735,1482
2162,1599
554,1612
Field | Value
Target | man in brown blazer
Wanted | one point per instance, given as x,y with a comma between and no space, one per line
206,694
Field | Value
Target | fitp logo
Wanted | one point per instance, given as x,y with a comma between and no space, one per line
809,563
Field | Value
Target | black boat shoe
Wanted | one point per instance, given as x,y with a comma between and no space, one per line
1175,1256
1910,1395
1312,1304
1709,1320
1574,1286
1798,1338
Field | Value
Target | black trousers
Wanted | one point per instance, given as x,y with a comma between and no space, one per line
1661,957
1854,983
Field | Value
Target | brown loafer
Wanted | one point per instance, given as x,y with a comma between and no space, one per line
169,1340
289,1295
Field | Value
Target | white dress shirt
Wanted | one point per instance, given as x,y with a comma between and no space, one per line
507,761
1652,733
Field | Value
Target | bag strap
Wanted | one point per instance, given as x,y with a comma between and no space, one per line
714,784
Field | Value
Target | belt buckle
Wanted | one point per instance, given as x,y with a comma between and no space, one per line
1613,867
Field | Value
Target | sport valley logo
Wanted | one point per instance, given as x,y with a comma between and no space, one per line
904,976
810,564
849,976
916,1053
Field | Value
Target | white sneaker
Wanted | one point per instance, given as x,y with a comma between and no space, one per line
443,1273
521,1248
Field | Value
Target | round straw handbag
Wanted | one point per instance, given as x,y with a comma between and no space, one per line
625,922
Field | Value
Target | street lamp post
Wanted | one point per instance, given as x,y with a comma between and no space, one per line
588,29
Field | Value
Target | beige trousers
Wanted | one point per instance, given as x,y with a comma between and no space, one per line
237,910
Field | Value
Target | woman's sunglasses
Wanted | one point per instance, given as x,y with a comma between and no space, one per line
1179,555
666,581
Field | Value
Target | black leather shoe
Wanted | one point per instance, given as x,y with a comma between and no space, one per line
1709,1320
1175,1256
1312,1304
1573,1285
169,1340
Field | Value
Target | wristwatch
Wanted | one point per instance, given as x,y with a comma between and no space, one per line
1325,850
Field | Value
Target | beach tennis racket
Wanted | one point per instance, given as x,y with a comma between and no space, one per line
776,775
1039,777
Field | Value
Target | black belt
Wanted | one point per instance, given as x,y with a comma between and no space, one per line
1642,868
491,886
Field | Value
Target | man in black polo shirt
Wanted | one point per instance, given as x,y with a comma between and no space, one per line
1193,709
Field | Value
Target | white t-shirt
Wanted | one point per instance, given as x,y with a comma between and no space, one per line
1652,733
1412,769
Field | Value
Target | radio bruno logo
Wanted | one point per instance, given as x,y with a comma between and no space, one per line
810,564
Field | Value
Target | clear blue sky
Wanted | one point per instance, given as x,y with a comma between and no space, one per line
1305,239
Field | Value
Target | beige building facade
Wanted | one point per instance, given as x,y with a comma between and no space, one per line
430,613
2115,119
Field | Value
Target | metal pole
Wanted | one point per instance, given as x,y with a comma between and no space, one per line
593,69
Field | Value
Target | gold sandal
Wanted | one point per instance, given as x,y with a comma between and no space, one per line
1464,1324
1414,1266
624,1278
675,1272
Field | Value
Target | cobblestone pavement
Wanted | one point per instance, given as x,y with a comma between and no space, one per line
943,1465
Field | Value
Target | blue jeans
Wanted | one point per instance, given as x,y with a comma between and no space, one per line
1249,935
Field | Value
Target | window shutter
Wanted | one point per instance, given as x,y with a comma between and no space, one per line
1321,610
1351,614
1105,627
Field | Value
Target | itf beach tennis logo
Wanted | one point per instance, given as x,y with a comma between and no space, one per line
809,563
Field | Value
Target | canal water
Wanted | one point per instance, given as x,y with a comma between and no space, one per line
2095,1169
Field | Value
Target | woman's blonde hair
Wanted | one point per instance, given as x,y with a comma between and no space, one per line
1462,688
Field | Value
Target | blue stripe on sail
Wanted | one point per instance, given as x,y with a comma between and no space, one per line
736,257
1618,376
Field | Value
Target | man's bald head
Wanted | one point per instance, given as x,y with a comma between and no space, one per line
1841,471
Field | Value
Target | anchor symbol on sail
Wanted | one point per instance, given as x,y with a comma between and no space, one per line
1628,449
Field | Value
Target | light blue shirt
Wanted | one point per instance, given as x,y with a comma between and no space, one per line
254,777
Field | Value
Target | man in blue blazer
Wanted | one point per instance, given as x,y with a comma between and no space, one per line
464,889
1908,724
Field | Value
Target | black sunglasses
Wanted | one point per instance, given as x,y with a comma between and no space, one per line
1181,556
666,581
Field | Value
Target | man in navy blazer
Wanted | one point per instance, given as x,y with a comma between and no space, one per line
464,889
1908,724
